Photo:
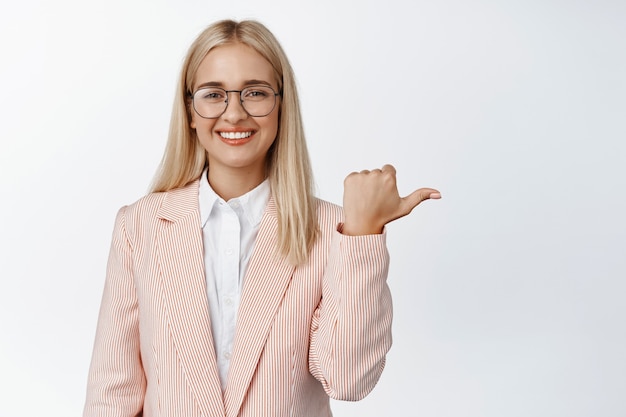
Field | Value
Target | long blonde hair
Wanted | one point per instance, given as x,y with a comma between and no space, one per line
288,164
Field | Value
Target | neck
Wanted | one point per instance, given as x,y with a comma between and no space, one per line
232,184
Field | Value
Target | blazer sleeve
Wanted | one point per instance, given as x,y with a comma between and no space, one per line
116,383
351,327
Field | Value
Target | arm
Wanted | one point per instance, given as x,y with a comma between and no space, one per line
116,384
351,328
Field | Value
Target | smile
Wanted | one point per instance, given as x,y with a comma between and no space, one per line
235,135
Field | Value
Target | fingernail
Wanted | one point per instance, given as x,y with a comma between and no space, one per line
434,196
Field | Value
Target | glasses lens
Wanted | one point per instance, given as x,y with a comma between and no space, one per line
258,100
210,102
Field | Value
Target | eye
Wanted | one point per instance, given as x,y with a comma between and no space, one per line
211,94
257,93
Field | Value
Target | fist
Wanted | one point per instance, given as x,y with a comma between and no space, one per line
371,200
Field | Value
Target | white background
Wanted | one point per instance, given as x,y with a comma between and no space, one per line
509,292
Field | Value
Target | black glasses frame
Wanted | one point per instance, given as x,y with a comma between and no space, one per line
193,103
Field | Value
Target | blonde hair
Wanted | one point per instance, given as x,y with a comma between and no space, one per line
288,164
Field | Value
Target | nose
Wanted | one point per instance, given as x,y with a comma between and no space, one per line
234,109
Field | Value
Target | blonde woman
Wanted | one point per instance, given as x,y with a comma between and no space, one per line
230,289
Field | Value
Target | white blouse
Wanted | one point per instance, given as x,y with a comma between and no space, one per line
229,231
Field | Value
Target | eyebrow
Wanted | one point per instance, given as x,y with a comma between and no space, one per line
245,84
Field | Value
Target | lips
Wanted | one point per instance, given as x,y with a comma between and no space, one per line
236,138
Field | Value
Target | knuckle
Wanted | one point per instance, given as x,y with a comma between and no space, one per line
351,178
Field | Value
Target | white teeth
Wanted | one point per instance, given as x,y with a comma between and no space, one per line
235,135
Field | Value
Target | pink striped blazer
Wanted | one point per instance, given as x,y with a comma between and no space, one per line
303,334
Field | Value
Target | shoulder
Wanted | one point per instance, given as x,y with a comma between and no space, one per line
329,215
167,205
144,208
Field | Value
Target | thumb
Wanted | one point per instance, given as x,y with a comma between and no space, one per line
412,200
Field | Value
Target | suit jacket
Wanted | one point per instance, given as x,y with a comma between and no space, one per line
303,334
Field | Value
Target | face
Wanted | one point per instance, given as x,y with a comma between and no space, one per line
236,143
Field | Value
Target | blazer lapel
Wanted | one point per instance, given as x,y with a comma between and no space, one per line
265,283
181,266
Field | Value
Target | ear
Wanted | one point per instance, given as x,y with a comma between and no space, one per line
191,113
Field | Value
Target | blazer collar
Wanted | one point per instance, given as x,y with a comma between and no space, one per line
180,264
266,280
179,203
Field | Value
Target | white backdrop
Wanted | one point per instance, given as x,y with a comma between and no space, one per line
509,292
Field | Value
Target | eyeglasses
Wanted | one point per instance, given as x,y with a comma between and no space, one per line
256,100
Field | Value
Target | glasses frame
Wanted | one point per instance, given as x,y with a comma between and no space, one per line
193,103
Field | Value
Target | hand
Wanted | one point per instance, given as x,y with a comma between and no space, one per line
371,200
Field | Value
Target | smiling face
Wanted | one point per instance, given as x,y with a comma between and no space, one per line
236,143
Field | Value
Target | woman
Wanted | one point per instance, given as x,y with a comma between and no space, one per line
230,289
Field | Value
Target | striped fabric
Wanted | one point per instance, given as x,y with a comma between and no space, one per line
303,334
